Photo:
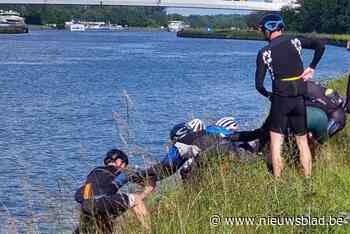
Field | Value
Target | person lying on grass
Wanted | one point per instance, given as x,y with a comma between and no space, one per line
188,141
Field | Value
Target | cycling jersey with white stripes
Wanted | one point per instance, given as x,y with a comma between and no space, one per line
282,57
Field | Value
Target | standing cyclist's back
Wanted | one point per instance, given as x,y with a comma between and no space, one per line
282,57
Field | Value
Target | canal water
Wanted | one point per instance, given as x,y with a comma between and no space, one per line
67,98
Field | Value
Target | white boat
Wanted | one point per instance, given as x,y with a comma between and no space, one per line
176,25
96,26
12,22
77,27
117,27
101,26
74,26
80,26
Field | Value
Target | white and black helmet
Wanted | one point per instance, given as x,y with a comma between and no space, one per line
180,131
196,125
228,123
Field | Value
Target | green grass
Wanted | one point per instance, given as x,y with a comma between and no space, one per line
229,188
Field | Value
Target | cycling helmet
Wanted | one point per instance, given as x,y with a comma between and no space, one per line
334,97
271,23
228,123
196,125
115,154
179,131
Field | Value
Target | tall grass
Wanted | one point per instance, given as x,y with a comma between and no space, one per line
229,188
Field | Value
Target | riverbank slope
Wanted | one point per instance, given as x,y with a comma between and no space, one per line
230,189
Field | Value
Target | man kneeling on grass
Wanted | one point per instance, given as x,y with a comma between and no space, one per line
101,200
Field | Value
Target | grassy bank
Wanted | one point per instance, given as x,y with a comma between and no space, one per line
338,40
228,189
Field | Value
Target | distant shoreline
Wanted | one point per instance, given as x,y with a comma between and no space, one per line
336,40
128,29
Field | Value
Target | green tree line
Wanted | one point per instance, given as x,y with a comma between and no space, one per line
58,14
124,15
212,21
322,16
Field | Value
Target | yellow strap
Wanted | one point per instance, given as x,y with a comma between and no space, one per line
291,78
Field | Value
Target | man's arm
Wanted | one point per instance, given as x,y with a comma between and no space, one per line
260,76
319,49
260,133
139,207
245,136
149,187
317,46
121,179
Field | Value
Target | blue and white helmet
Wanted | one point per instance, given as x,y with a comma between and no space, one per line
180,131
196,125
271,23
228,123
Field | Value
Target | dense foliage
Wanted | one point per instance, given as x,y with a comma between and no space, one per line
132,16
331,16
212,21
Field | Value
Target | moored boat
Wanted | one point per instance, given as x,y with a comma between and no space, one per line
176,26
79,26
74,26
12,22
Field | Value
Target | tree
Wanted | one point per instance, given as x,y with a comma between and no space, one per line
133,16
253,19
331,16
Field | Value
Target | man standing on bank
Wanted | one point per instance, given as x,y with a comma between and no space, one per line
283,59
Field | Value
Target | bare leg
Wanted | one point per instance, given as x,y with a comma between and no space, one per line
141,212
275,148
313,145
269,161
139,207
305,154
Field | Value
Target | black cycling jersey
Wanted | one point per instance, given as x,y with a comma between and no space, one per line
282,57
100,194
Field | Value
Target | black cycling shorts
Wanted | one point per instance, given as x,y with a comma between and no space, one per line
288,113
113,205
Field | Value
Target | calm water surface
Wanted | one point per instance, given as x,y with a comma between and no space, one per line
67,98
